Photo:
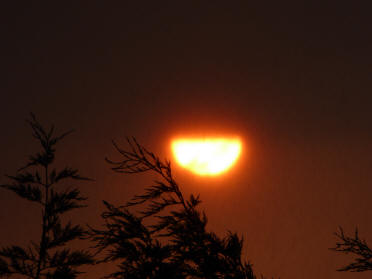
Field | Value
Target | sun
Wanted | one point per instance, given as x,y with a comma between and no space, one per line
206,156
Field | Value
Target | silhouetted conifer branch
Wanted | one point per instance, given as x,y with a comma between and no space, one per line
160,243
356,246
35,182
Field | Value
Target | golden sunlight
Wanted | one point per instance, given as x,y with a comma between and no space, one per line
206,156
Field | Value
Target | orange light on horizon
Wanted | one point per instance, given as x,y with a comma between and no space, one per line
206,156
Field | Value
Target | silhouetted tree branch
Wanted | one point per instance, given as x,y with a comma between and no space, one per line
168,237
36,182
356,246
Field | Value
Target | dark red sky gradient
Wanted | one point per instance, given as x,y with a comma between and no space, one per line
293,79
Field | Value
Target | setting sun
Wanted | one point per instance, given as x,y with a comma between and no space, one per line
206,156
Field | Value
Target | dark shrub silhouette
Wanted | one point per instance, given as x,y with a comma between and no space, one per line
356,246
168,238
36,182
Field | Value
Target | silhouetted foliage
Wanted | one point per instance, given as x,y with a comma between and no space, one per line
356,246
168,237
49,258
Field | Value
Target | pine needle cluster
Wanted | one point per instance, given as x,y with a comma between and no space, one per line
356,246
38,182
168,238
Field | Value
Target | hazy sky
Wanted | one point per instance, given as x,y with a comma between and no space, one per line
292,79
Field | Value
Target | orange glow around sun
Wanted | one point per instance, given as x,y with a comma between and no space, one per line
206,156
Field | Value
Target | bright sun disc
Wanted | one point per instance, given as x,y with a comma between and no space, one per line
207,156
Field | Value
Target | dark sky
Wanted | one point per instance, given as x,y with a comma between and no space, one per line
293,79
